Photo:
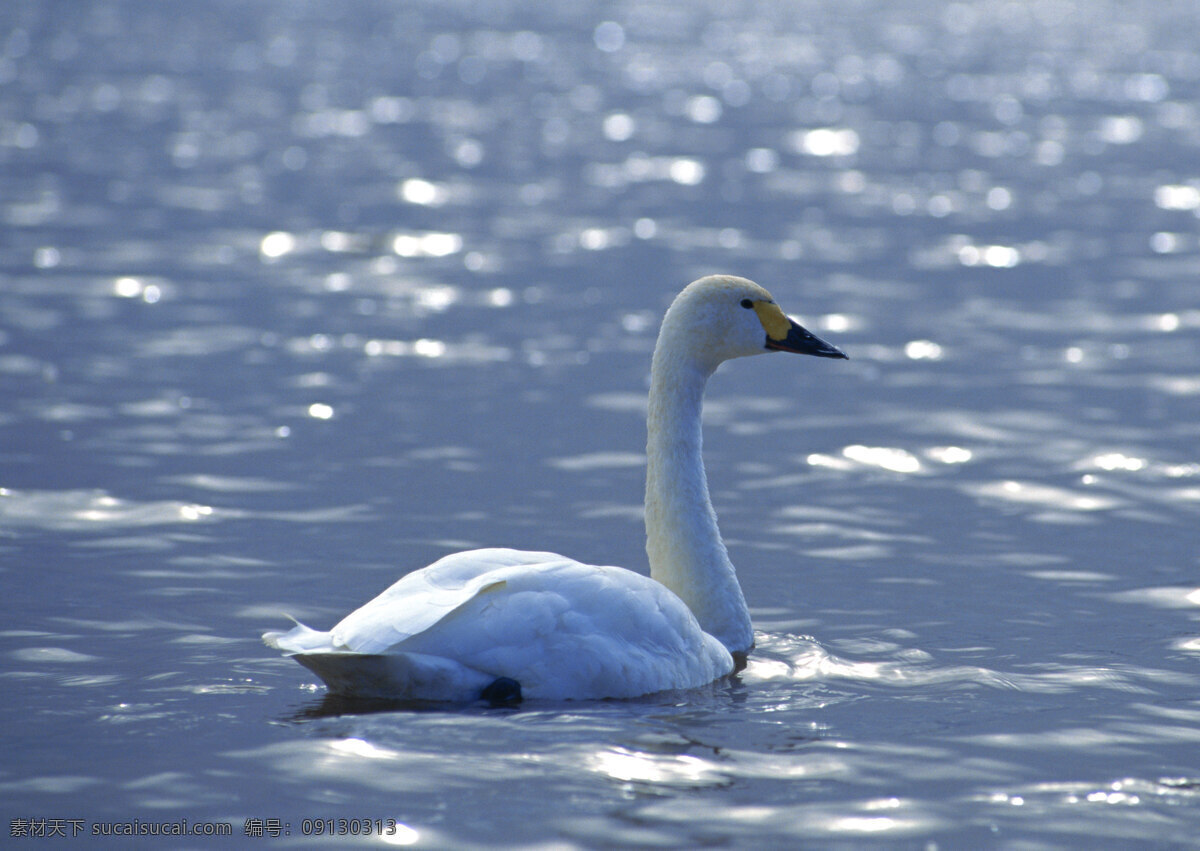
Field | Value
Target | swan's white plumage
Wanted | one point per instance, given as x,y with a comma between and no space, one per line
560,628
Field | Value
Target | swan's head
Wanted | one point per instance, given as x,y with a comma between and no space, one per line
721,317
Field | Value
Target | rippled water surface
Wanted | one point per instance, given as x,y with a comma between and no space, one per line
298,296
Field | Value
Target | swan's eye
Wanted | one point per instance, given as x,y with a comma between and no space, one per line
747,303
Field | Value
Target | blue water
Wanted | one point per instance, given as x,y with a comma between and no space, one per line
298,296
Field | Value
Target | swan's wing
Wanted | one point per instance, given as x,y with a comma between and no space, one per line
423,598
560,628
564,629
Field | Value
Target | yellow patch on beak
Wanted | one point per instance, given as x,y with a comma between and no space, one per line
774,321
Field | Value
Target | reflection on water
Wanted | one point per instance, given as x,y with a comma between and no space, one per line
755,758
295,297
79,511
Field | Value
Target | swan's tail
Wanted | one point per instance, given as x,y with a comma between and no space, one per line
299,639
391,676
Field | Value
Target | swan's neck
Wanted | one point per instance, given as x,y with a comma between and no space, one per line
682,540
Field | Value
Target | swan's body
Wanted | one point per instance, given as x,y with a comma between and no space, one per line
557,628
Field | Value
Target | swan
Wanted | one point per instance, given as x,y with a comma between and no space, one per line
502,625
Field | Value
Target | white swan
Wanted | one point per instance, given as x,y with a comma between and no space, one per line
500,624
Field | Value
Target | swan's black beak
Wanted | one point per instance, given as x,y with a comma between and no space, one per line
801,341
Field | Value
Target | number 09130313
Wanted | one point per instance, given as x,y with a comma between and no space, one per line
348,827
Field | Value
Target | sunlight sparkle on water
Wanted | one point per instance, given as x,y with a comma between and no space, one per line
424,348
137,288
999,198
619,126
127,287
437,298
500,297
277,244
1165,322
703,109
1165,242
825,142
1118,461
839,322
922,350
1121,129
360,747
622,764
427,245
686,171
194,512
896,460
595,239
47,257
423,192
1031,493
863,824
429,348
1177,197
996,256
949,454
341,242
404,835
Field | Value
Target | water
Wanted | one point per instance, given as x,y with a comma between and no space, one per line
295,297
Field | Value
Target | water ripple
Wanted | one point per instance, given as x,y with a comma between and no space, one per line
93,510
